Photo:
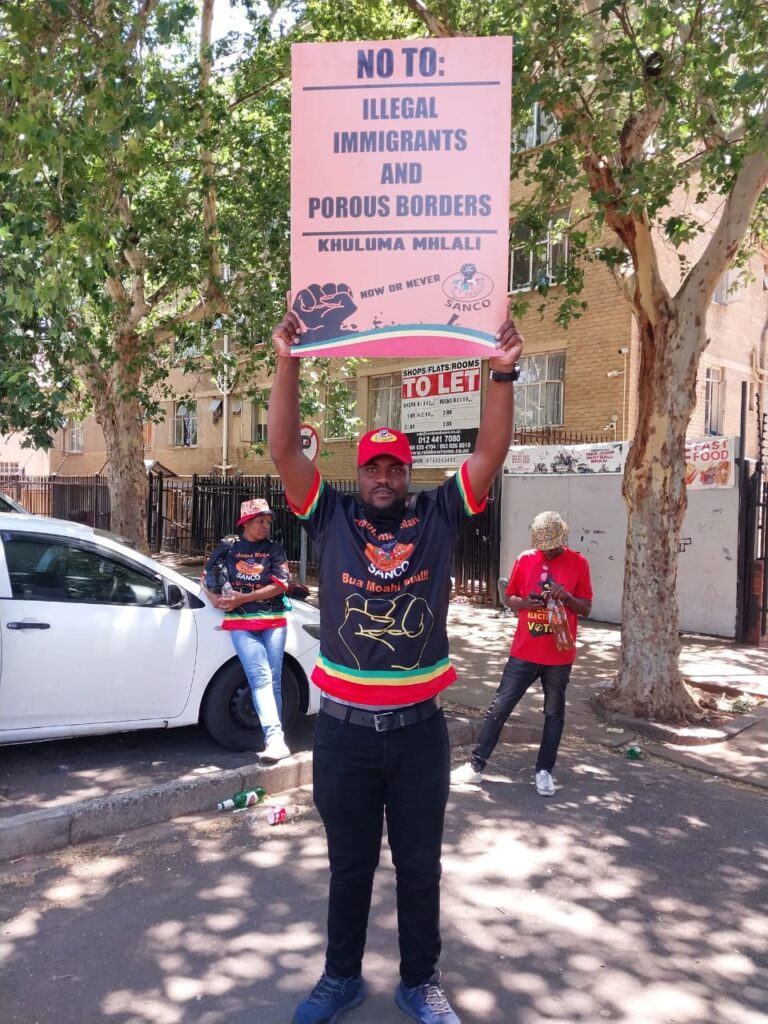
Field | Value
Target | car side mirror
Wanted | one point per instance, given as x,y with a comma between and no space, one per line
175,596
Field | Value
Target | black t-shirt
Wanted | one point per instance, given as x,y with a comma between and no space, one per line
384,594
251,565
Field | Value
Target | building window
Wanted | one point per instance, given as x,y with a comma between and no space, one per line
385,401
146,433
534,264
185,424
73,437
536,129
340,403
727,288
258,423
714,400
9,469
539,391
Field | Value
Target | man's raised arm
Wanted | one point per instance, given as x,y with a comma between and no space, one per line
497,423
284,424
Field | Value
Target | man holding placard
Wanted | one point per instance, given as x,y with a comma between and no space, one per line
381,743
399,247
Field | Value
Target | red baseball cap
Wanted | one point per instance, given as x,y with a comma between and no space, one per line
384,441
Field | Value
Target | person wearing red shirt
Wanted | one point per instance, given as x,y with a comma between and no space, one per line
547,573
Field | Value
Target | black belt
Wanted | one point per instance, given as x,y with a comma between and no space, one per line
381,721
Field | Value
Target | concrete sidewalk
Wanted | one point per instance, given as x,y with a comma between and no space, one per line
56,794
480,645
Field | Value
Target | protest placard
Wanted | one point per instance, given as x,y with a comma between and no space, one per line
400,196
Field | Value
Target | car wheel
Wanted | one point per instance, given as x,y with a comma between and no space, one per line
228,713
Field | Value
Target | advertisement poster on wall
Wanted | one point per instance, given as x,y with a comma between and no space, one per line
709,462
441,411
558,459
400,196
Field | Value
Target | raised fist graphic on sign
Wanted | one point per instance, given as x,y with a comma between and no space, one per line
323,309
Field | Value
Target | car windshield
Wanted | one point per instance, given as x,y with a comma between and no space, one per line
8,504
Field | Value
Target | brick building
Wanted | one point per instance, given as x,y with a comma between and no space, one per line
583,380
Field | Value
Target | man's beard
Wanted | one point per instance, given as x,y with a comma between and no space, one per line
387,516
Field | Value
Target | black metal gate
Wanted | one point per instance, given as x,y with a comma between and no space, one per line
752,577
477,552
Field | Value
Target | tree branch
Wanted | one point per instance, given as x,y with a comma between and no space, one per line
205,307
435,26
141,23
751,180
239,100
206,156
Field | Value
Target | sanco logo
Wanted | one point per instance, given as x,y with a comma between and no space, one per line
468,288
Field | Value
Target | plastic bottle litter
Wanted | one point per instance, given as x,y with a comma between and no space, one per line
278,814
633,752
245,798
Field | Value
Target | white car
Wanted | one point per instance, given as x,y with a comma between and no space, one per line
96,638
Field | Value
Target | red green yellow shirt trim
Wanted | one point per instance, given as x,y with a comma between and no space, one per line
382,688
257,621
309,506
471,505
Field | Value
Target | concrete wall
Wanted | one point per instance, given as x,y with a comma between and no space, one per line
594,509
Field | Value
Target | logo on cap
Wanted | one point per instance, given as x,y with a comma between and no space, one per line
383,436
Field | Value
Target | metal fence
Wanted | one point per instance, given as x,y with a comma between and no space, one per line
552,436
82,499
189,517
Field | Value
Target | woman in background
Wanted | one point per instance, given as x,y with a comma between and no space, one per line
247,578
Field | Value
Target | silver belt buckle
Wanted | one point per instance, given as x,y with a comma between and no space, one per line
380,726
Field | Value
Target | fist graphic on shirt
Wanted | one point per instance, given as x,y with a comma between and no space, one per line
400,626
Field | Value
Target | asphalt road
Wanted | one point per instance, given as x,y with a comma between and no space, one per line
637,894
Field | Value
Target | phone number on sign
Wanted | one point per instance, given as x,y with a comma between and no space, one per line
430,441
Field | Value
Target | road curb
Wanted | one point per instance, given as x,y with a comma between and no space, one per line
684,736
55,828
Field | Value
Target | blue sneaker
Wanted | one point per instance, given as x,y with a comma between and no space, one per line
329,999
426,1002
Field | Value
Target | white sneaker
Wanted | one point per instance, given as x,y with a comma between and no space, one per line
275,750
466,773
544,784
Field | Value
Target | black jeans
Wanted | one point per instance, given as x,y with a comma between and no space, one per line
515,680
359,775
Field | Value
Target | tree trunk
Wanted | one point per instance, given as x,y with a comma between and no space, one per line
126,472
118,413
649,683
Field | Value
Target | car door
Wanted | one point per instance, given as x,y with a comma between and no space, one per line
86,637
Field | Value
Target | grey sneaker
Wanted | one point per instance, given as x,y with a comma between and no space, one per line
466,773
544,784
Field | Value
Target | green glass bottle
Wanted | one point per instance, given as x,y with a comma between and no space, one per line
245,798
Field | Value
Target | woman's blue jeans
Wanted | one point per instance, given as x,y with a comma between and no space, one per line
517,677
261,655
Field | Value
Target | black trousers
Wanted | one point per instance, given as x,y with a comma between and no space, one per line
517,677
360,776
